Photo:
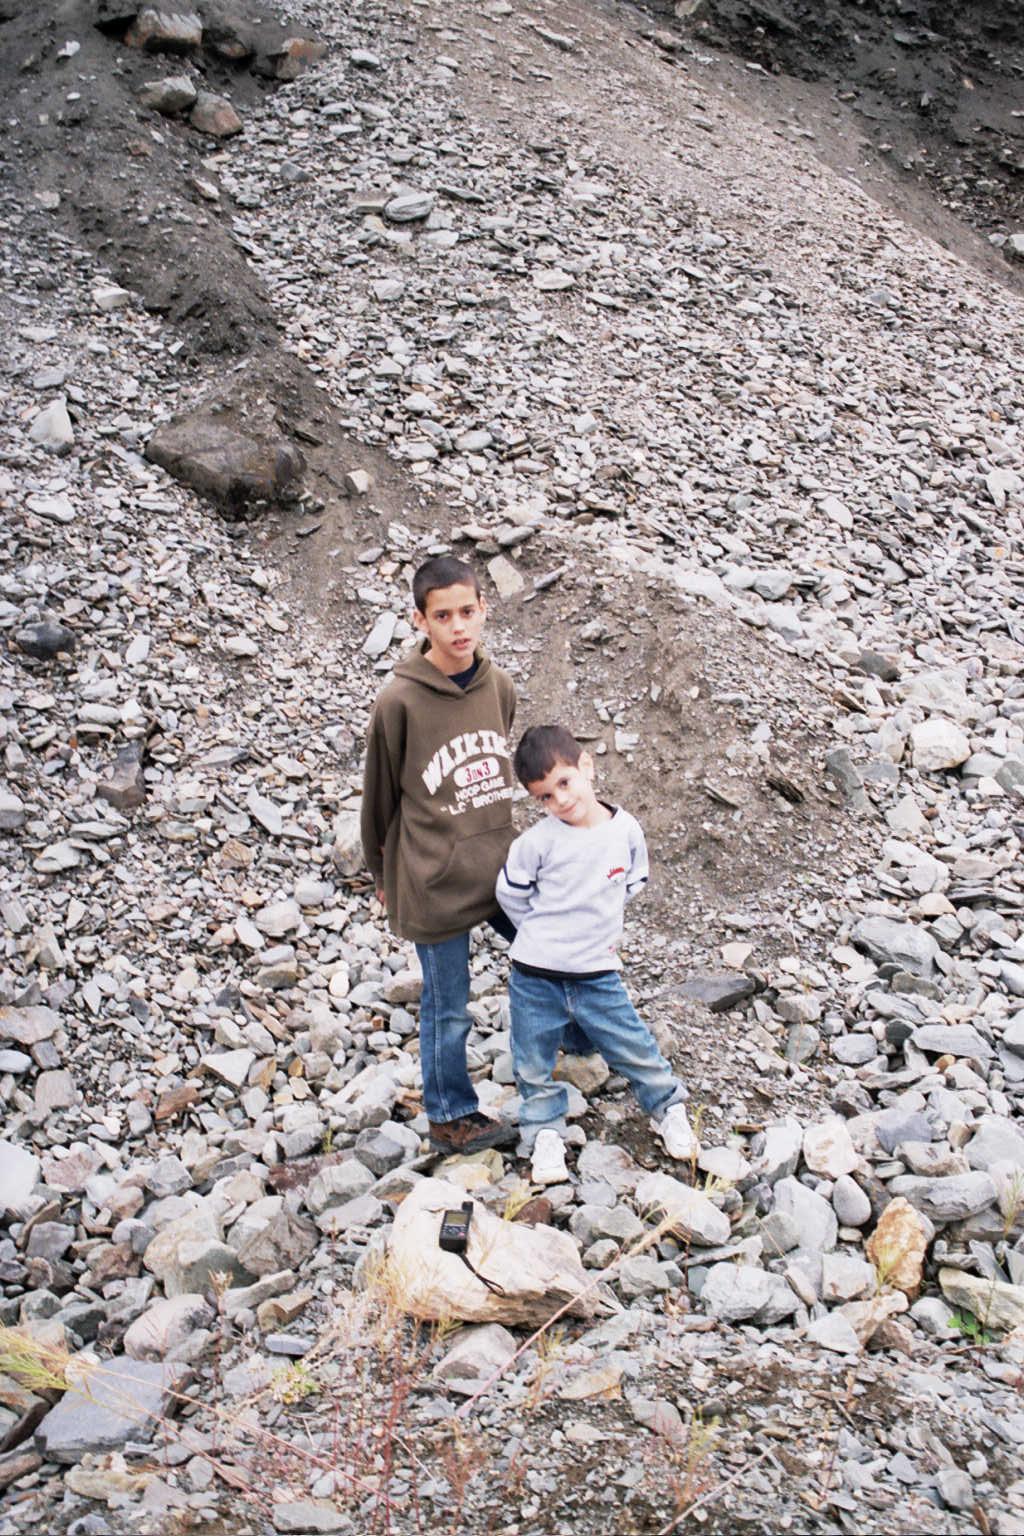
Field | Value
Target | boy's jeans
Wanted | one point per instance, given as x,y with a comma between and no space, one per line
445,1023
541,1009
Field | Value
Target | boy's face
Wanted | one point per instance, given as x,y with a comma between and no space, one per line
452,623
567,792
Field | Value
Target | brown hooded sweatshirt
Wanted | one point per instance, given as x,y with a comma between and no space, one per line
437,796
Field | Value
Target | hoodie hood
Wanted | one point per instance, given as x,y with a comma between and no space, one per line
419,669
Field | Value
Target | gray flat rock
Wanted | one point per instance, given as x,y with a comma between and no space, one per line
718,993
119,1400
952,1040
997,1139
894,943
28,1026
948,1199
814,1217
741,1293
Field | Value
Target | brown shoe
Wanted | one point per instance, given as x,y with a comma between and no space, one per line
471,1133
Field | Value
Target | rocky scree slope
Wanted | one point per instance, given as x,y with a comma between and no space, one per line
625,387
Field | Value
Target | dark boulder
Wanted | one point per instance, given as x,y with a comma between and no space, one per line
234,469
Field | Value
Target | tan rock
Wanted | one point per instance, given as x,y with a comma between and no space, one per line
828,1149
867,1317
598,1381
215,116
994,1303
893,1336
279,1311
160,31
898,1245
110,1476
472,1170
587,1073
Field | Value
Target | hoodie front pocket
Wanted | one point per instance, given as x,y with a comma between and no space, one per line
473,864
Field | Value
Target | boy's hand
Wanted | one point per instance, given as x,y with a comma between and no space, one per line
382,898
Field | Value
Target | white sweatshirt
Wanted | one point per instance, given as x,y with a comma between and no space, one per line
565,889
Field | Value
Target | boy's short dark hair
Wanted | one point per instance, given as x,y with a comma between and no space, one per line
441,571
540,748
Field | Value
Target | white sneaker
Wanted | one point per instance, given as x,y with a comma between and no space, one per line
548,1164
676,1132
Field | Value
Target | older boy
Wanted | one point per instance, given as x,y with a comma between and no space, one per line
436,825
564,884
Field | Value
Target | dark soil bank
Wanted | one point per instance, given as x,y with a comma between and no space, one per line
127,183
937,85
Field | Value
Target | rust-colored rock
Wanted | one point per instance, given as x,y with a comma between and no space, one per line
898,1245
535,1212
175,1101
295,57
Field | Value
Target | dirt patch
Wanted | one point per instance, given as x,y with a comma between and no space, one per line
139,189
649,681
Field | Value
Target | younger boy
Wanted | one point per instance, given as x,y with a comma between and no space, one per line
436,825
564,884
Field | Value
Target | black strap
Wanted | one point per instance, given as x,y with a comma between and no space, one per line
490,1284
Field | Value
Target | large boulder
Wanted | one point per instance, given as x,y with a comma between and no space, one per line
513,1273
234,469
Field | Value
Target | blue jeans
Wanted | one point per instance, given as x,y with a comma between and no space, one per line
448,1093
541,1010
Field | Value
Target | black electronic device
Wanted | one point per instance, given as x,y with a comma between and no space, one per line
454,1234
